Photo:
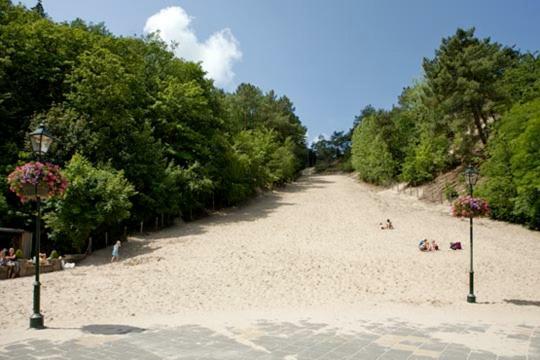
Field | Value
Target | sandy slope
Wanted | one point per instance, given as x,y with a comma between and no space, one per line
315,244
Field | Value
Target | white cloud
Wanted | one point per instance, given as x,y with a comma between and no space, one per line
217,54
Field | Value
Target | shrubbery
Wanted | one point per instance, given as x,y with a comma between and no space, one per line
154,136
479,103
513,169
95,197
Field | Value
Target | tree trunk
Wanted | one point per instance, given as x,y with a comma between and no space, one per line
478,123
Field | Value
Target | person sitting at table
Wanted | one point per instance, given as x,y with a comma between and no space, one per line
12,263
3,260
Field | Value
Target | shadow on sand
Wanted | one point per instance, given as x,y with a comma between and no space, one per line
102,329
522,302
128,250
111,329
251,210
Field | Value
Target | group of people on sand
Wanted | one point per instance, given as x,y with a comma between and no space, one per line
387,225
424,244
9,258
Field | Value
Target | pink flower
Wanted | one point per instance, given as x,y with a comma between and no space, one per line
34,173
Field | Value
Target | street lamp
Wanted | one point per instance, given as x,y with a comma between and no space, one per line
471,175
41,140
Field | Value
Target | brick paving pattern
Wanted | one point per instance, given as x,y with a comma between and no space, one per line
267,340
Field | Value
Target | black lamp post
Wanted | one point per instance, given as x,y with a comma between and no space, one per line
41,140
471,175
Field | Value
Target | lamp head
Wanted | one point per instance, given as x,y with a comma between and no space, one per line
41,140
471,174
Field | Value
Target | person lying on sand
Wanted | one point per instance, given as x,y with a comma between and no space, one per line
455,245
423,245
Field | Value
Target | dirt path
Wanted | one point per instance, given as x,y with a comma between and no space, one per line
314,245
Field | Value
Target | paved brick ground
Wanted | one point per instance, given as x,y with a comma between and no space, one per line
277,340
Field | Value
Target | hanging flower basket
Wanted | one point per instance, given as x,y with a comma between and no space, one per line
468,206
36,179
30,191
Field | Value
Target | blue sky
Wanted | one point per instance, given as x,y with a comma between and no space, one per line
331,58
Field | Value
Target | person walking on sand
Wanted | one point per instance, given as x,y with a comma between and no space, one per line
116,251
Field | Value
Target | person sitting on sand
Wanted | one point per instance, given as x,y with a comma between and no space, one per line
434,246
387,225
423,245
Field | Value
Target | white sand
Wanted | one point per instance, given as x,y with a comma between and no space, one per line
312,248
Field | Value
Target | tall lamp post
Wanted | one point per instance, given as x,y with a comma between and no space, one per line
471,175
41,140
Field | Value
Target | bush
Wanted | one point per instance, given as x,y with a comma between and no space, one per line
450,192
513,168
95,197
346,165
370,153
425,160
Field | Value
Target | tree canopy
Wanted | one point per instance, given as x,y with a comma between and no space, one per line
132,119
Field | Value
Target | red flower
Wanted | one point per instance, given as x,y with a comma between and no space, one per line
35,173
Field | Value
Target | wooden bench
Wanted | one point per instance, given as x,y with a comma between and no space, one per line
27,268
3,272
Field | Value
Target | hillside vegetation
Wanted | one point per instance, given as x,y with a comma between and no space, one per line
477,102
141,133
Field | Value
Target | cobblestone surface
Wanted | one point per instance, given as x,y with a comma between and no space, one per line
279,340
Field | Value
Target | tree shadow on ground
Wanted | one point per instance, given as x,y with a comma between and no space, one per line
522,302
253,209
129,249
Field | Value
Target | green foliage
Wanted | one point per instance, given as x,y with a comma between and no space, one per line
371,156
513,169
522,81
3,206
95,197
334,152
450,192
145,124
475,95
346,165
464,82
425,160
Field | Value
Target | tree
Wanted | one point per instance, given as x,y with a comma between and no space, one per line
128,105
464,80
522,81
371,157
38,9
95,197
513,169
